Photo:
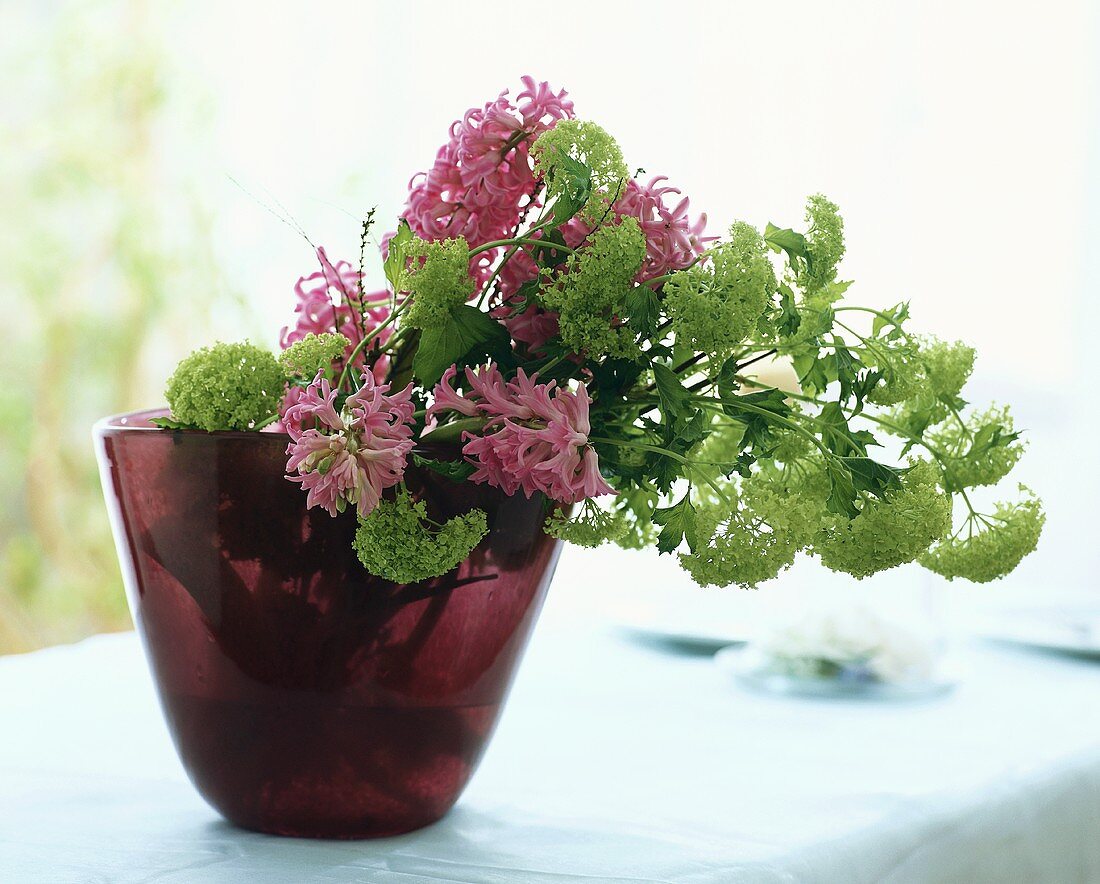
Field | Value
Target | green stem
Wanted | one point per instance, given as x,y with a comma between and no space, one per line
521,240
883,316
940,457
496,273
661,280
542,221
693,465
553,362
453,430
868,343
366,340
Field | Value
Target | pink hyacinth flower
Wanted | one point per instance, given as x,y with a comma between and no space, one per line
331,300
535,437
483,179
353,456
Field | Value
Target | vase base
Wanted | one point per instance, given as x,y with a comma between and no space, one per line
321,833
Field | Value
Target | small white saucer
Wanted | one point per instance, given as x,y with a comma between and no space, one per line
753,673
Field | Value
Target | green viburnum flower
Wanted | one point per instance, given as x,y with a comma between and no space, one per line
313,353
585,143
791,500
980,452
591,527
226,387
824,245
590,295
794,449
892,530
903,371
437,279
398,542
739,552
947,366
780,513
715,304
1011,533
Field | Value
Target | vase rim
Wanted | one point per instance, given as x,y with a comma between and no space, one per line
138,422
128,422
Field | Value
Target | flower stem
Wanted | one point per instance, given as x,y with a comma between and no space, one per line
364,341
521,240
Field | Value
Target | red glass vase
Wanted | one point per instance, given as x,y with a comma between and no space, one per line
305,696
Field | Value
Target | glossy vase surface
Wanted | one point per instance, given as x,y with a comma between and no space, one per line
305,696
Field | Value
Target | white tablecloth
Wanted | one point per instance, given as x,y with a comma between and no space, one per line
613,762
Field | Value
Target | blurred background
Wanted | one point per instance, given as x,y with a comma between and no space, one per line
155,158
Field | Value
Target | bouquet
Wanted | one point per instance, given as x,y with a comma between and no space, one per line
554,324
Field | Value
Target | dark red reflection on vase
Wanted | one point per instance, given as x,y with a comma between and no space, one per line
306,697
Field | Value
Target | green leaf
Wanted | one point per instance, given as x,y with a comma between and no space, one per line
726,381
832,292
397,254
466,337
987,438
838,437
677,522
548,256
848,366
747,409
789,317
456,470
674,397
787,240
892,317
168,423
573,181
842,490
815,371
524,295
872,476
643,308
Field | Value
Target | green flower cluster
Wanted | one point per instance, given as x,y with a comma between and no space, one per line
715,304
739,552
996,548
226,387
313,353
902,369
590,295
891,530
780,513
981,451
581,142
947,366
591,527
437,278
824,245
924,373
398,542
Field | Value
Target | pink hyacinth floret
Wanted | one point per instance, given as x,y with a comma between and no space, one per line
331,300
482,179
351,456
535,436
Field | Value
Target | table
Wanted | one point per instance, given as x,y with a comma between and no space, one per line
613,762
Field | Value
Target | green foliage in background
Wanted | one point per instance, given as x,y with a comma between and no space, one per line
98,257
